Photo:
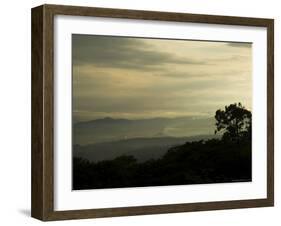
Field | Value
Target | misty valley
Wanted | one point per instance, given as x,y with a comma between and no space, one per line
116,153
108,138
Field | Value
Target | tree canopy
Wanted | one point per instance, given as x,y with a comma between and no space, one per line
234,122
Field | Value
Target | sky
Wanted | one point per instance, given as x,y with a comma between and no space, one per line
137,78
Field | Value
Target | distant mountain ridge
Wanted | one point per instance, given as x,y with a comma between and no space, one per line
142,149
102,120
109,129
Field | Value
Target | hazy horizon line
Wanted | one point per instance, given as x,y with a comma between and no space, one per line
146,118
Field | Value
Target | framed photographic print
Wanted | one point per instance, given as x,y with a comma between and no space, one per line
141,112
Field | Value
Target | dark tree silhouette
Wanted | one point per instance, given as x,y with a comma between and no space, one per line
235,122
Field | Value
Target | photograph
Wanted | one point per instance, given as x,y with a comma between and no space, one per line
160,112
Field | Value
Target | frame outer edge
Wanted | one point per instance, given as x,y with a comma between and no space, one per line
42,197
37,188
156,15
270,112
42,114
48,120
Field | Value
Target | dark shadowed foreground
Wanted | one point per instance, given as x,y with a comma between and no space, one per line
213,161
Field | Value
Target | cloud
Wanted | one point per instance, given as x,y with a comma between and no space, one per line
142,78
205,75
125,53
239,44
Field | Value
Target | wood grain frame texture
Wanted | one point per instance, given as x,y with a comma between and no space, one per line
42,203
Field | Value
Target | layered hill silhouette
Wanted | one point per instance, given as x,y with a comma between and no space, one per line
109,129
142,149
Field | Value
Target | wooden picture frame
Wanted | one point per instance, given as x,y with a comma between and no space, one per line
42,205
